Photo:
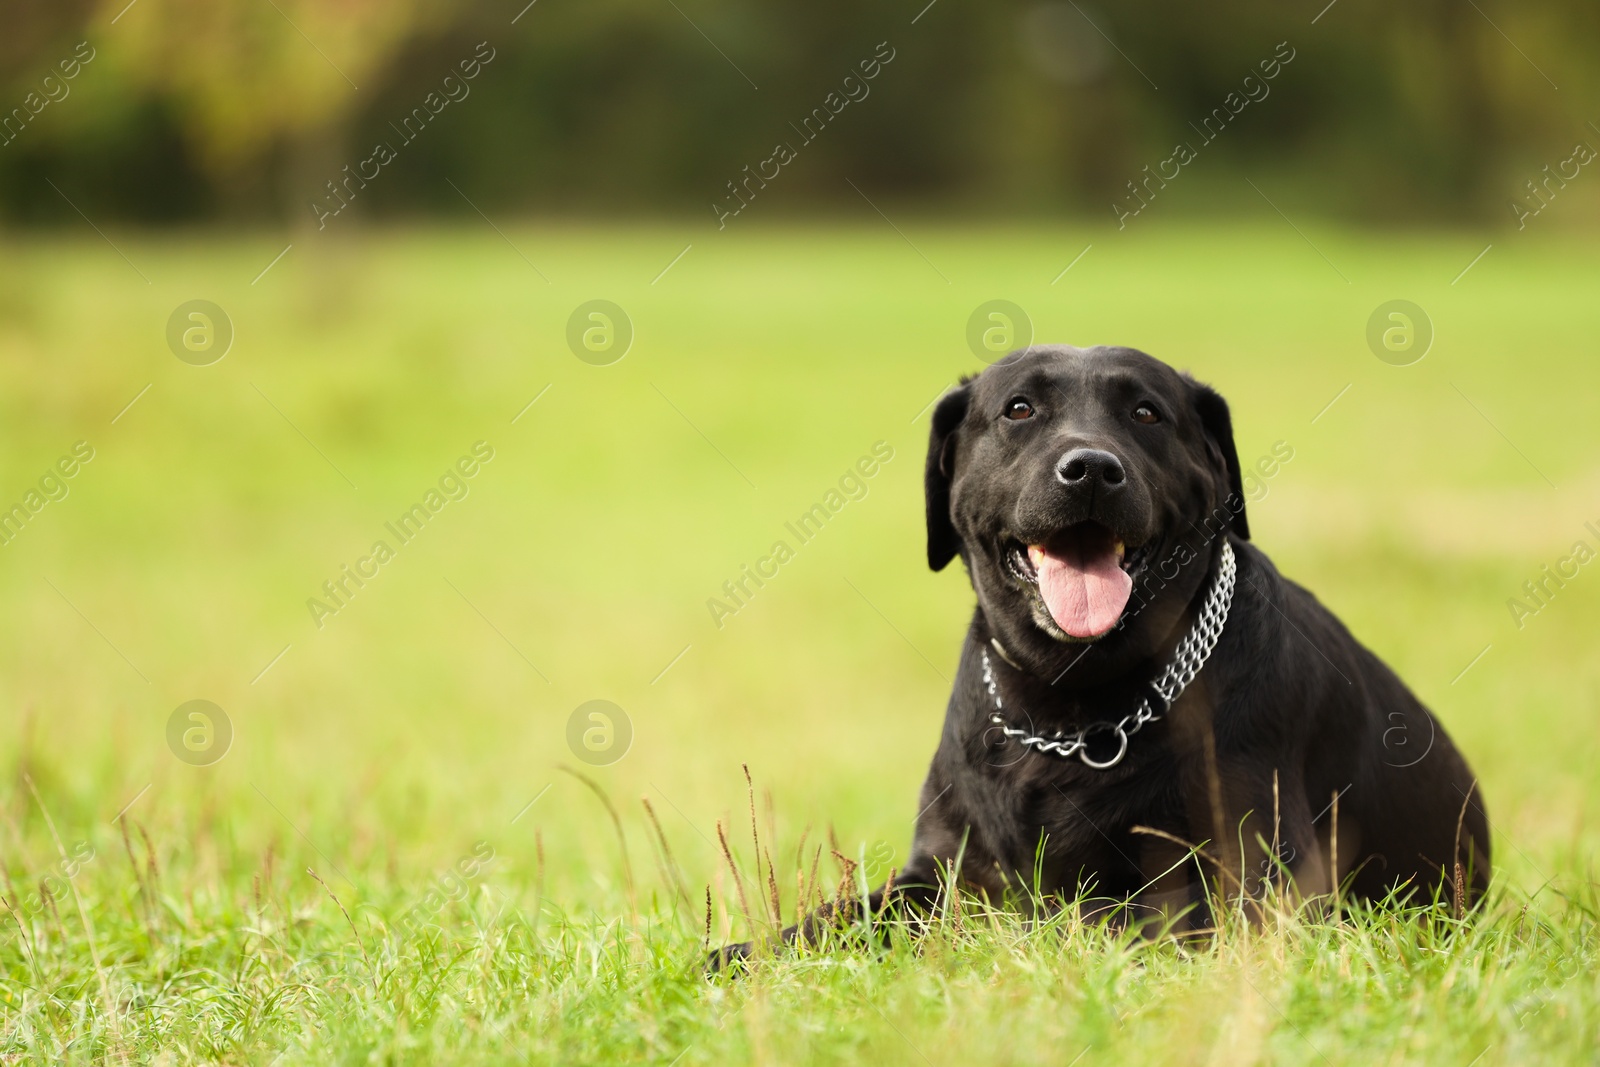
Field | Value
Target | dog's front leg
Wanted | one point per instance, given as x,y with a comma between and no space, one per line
912,892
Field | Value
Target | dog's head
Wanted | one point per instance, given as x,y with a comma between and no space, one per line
1085,489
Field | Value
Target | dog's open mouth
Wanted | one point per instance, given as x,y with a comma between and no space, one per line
1083,574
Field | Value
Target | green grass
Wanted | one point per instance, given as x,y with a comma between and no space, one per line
422,718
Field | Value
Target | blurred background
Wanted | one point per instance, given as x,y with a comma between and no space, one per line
190,112
398,216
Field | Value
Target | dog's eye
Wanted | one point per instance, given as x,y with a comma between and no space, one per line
1019,409
1146,414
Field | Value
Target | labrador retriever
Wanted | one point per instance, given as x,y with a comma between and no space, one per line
1147,717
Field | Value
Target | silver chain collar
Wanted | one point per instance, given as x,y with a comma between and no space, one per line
1192,653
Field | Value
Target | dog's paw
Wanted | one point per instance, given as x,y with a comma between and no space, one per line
730,959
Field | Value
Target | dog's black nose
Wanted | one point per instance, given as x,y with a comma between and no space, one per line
1090,466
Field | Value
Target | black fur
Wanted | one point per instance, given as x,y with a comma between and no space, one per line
943,543
1289,710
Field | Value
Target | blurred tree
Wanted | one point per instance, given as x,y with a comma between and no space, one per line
198,110
268,82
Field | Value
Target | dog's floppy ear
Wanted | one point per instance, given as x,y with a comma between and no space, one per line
1218,425
943,541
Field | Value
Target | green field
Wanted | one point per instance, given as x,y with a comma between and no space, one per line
404,738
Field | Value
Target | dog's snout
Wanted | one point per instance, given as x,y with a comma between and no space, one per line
1090,467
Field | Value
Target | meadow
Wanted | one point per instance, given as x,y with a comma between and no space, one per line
403,855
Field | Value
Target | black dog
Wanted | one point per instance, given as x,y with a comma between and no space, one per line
1138,678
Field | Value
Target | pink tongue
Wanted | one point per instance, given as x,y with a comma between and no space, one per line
1084,590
